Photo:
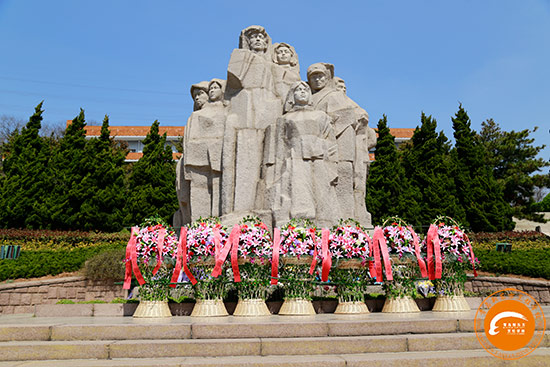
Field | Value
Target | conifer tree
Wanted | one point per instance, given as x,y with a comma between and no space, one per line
151,183
27,178
513,158
478,191
388,190
427,164
69,167
104,193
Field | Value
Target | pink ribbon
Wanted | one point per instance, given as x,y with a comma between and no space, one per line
379,241
433,247
160,247
275,259
471,255
327,258
221,254
131,264
234,242
421,264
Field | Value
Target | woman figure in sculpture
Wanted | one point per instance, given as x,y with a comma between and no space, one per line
286,69
305,164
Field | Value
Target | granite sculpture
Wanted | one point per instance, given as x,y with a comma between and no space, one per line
265,143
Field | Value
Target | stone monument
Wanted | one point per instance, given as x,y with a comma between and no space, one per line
266,143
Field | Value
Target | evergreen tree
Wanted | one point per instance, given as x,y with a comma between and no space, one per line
388,190
27,179
428,165
151,183
479,193
103,185
513,157
70,165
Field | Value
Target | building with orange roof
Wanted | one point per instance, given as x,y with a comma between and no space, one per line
133,136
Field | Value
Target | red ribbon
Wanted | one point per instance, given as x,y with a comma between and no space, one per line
160,247
314,261
221,254
471,255
434,253
235,254
181,258
131,252
327,258
421,264
275,259
380,241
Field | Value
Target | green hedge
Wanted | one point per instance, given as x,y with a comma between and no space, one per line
37,263
533,263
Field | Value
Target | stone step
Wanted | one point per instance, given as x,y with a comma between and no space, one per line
178,328
472,358
107,349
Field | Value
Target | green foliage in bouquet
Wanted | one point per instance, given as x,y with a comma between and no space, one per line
255,247
400,242
201,256
299,237
349,246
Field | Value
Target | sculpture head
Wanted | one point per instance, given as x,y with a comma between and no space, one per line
320,75
340,84
199,93
299,96
216,90
284,54
255,39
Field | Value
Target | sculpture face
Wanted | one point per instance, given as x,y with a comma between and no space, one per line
302,95
200,97
318,80
257,42
215,92
283,55
341,86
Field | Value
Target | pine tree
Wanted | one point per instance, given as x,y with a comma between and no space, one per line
479,193
69,167
516,167
151,183
388,191
104,184
27,179
428,165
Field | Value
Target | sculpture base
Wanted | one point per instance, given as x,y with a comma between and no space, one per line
251,308
400,305
297,307
152,309
355,308
451,304
209,308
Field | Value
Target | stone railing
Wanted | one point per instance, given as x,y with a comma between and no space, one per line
538,289
21,297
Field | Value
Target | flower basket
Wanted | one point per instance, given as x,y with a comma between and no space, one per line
206,241
151,254
349,246
298,240
456,256
406,264
250,262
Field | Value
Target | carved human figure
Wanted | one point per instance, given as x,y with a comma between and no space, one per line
199,93
286,69
253,106
306,159
199,169
348,119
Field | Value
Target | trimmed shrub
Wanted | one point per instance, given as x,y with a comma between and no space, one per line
106,265
528,262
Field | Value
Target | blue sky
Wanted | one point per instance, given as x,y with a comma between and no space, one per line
135,60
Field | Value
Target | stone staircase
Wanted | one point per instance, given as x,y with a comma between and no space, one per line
423,339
